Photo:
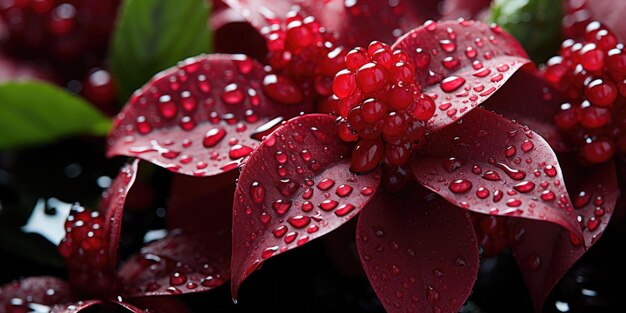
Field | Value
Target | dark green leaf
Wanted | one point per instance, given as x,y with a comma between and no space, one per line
35,112
153,35
535,23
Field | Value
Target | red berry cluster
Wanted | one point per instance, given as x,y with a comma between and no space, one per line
590,73
85,239
301,49
381,106
70,34
492,233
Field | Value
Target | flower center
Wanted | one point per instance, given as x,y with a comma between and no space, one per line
382,108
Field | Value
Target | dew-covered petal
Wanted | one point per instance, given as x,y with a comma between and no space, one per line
294,188
92,238
195,254
112,208
201,117
544,251
460,64
530,100
488,164
419,252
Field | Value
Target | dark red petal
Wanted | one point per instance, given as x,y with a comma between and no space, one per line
195,256
467,9
353,23
295,187
460,64
112,207
228,24
201,118
488,164
545,251
92,260
529,99
37,291
419,252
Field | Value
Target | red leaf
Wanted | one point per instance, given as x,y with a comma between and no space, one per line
112,208
92,240
353,23
295,187
529,99
34,292
419,252
545,251
202,117
195,256
488,164
460,64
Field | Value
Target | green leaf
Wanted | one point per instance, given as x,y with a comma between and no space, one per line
535,23
153,35
36,112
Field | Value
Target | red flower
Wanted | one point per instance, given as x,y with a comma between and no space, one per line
213,114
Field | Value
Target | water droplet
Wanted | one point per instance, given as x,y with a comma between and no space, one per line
491,175
328,205
513,173
280,231
482,193
281,206
510,151
344,209
525,186
593,223
550,171
447,45
460,186
547,195
343,190
269,252
257,192
299,221
178,279
232,94
325,184
213,137
239,151
452,83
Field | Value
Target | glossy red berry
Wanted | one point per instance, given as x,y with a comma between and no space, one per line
380,100
590,73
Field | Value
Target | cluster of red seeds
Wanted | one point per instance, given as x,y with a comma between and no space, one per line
69,34
590,73
381,106
301,49
492,233
85,240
